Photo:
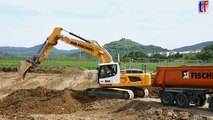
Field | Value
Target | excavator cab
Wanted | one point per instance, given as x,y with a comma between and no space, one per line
109,73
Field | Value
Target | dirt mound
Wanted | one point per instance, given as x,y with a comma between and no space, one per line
71,78
43,101
75,78
8,69
56,70
154,91
60,78
138,109
53,70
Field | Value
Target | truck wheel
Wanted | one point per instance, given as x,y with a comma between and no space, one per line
167,98
202,101
211,104
182,100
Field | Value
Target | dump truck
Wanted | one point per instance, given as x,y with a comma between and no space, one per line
185,85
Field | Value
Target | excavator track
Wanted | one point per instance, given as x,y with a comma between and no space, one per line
110,93
140,92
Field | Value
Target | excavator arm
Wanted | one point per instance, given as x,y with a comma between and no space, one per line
112,82
88,46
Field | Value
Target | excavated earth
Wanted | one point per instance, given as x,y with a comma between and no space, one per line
59,93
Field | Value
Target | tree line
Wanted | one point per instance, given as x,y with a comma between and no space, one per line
205,55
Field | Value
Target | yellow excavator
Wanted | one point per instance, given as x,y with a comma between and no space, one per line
113,82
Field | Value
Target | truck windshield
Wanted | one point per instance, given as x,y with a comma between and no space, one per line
107,71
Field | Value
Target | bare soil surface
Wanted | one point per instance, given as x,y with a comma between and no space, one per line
43,101
56,93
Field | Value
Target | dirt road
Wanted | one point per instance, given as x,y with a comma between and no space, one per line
51,94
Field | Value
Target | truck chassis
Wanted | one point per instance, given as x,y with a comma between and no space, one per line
183,97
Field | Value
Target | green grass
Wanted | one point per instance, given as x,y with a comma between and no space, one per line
51,63
8,62
151,67
84,64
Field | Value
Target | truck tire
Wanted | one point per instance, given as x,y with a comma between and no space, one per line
202,101
167,98
211,104
182,100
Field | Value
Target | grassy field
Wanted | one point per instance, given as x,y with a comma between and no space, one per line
151,67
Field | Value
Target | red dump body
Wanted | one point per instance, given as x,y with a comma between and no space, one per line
184,76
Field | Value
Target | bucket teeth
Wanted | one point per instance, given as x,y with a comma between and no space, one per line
23,67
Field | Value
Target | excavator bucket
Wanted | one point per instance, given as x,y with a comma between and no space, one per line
23,67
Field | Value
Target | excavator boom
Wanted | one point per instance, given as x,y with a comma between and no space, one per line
88,46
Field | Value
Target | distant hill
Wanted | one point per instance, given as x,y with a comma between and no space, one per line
193,47
24,51
123,46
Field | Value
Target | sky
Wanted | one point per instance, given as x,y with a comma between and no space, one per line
165,23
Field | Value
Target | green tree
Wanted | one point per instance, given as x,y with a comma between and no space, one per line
190,56
175,56
137,55
206,53
159,56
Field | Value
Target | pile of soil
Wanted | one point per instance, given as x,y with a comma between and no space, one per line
43,101
54,101
137,109
154,91
8,69
140,109
57,70
53,70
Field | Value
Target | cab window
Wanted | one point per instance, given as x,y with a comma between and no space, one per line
107,71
